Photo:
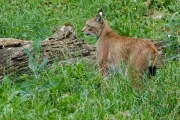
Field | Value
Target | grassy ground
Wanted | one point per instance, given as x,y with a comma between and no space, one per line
73,91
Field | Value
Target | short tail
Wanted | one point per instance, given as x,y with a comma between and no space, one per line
152,70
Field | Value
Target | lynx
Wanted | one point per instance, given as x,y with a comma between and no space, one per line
129,56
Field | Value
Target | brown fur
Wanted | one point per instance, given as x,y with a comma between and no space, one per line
137,54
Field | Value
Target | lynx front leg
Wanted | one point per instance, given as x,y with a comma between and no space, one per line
103,68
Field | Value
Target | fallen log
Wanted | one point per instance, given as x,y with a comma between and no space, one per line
62,45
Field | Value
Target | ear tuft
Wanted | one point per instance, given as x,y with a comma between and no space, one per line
100,12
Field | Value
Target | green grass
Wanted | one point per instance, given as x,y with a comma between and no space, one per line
73,91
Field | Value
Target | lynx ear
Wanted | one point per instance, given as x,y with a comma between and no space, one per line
99,16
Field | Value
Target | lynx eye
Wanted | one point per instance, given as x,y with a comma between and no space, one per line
87,25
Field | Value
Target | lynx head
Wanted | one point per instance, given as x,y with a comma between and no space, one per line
94,26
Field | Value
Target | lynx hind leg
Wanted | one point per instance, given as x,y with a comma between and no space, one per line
137,70
135,76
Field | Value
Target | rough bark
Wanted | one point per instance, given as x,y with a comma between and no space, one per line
61,46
